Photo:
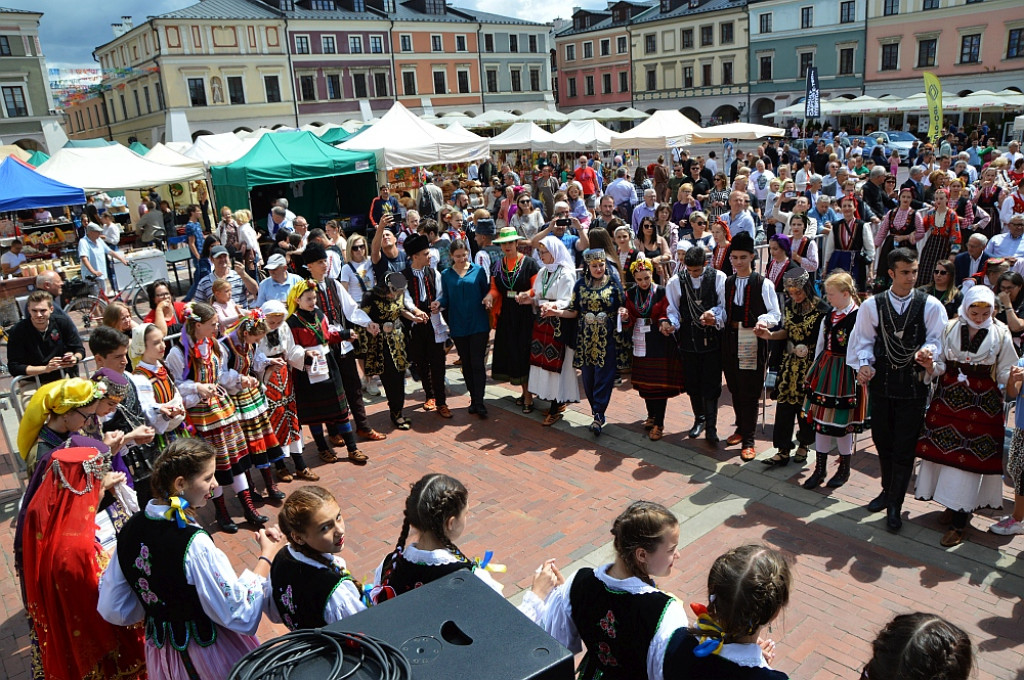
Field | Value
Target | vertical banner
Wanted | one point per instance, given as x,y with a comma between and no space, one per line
812,98
933,95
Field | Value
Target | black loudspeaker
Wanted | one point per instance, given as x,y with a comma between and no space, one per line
455,628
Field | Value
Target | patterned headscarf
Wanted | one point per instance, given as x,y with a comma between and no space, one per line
296,291
57,397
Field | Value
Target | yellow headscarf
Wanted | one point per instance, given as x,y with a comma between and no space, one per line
57,397
296,292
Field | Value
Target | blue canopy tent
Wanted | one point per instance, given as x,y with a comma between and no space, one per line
22,188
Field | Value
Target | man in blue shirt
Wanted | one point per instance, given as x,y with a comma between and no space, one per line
278,283
1010,243
622,191
93,252
645,209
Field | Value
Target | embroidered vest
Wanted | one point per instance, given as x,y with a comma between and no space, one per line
692,337
429,282
895,382
301,591
753,301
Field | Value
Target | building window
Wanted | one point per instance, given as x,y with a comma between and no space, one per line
307,88
572,87
588,50
930,4
302,44
846,61
380,84
196,91
5,46
726,73
360,6
270,83
590,86
517,80
535,80
623,81
727,35
606,83
14,101
890,57
488,42
926,52
440,83
890,8
463,78
236,90
688,77
287,5
621,46
376,44
435,7
492,80
847,12
652,79
806,62
333,86
405,42
766,22
513,43
149,103
806,17
533,43
764,74
570,53
328,45
1015,44
322,5
650,43
705,75
409,82
138,106
436,45
707,36
460,43
355,44
687,38
606,47
970,49
359,85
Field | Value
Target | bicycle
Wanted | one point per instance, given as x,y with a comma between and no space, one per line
88,300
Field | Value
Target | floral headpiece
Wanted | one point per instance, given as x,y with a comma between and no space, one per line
190,313
641,265
247,321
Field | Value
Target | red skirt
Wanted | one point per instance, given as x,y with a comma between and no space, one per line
964,424
281,399
657,377
546,350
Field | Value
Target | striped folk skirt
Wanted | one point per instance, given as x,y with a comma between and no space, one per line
836,404
281,400
217,422
254,415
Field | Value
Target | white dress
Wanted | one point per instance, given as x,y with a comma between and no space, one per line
562,386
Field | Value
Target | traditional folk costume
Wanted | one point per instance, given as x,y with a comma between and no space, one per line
848,247
801,322
887,335
701,345
510,360
897,222
987,200
748,301
245,360
319,394
962,443
311,592
837,405
657,371
426,340
200,617
942,241
215,419
386,352
155,389
279,391
597,305
552,347
734,661
626,624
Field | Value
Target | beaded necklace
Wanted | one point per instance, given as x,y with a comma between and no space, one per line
644,306
315,328
508,278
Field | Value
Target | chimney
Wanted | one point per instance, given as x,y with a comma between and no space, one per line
118,30
128,24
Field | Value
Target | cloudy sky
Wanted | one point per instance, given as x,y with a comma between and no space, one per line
69,37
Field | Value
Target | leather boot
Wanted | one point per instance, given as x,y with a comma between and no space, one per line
897,491
273,493
227,525
711,420
842,475
699,419
818,476
877,504
249,510
257,499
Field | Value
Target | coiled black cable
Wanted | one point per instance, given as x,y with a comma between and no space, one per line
345,653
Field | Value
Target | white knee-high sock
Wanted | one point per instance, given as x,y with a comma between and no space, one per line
240,484
845,444
822,443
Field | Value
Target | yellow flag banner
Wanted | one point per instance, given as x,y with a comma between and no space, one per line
933,95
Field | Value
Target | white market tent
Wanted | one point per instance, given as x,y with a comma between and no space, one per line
663,130
581,114
630,113
458,129
522,136
165,155
180,147
402,140
544,116
582,134
112,168
494,118
1018,124
222,149
736,131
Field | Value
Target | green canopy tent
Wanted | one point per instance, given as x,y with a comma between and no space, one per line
335,135
38,158
139,148
317,178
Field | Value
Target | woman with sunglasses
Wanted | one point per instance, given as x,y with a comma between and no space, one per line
527,221
944,288
699,234
1010,298
718,199
685,204
654,248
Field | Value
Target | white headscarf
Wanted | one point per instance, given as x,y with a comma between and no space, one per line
978,295
137,346
559,253
274,307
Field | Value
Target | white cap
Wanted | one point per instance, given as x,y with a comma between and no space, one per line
275,261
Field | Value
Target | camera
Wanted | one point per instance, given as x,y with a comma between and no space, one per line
563,221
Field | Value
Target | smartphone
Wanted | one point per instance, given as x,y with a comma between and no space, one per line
563,221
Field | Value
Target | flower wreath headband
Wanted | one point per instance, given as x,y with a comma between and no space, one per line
248,321
190,313
641,265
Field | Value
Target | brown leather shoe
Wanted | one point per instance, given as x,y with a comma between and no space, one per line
734,439
953,537
551,418
372,435
444,411
327,456
307,475
748,453
358,457
649,423
656,433
283,476
336,439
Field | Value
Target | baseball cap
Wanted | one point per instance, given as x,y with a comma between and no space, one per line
275,261
94,227
217,251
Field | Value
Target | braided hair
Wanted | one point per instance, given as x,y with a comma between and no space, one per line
432,501
296,516
184,457
641,525
920,646
747,588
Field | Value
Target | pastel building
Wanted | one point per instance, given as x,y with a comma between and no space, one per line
24,81
787,37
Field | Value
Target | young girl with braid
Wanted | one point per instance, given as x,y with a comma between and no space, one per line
616,609
920,646
436,509
747,589
310,585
